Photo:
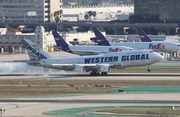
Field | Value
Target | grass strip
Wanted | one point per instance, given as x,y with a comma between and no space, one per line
145,111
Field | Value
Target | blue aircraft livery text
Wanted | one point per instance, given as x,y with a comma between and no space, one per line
101,59
115,58
135,57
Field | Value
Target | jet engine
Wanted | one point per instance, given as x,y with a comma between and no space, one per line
104,68
79,68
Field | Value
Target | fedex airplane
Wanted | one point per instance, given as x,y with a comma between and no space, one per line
94,64
157,46
86,50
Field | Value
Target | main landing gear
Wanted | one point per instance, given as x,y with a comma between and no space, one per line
96,73
149,68
103,73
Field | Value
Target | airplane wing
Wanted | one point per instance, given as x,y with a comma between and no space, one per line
85,67
74,65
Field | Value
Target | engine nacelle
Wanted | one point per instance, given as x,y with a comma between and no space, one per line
79,68
104,68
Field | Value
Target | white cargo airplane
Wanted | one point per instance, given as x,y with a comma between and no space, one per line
94,64
86,50
147,43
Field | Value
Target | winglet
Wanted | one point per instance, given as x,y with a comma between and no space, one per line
143,36
60,42
34,51
100,39
179,28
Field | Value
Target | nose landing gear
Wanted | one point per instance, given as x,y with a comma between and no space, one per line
149,68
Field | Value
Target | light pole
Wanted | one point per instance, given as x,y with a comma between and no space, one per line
36,17
25,16
3,14
3,19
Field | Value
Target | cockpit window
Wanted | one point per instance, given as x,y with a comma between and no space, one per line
151,51
178,45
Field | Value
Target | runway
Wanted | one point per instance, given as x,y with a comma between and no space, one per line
37,106
91,101
87,74
122,76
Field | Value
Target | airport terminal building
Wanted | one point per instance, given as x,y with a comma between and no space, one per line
10,39
167,10
28,10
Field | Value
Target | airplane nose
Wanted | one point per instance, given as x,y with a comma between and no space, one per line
160,57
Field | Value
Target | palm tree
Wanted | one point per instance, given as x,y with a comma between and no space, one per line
55,13
57,19
94,14
90,13
86,16
60,13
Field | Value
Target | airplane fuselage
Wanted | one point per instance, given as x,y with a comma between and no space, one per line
123,59
85,50
157,46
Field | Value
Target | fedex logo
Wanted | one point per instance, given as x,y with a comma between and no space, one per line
142,36
57,38
158,46
99,40
115,50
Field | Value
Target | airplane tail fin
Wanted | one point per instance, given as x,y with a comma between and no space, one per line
143,36
178,24
34,51
179,28
100,38
60,42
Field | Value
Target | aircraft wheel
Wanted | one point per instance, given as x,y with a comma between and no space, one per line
91,73
97,73
94,73
149,68
103,73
